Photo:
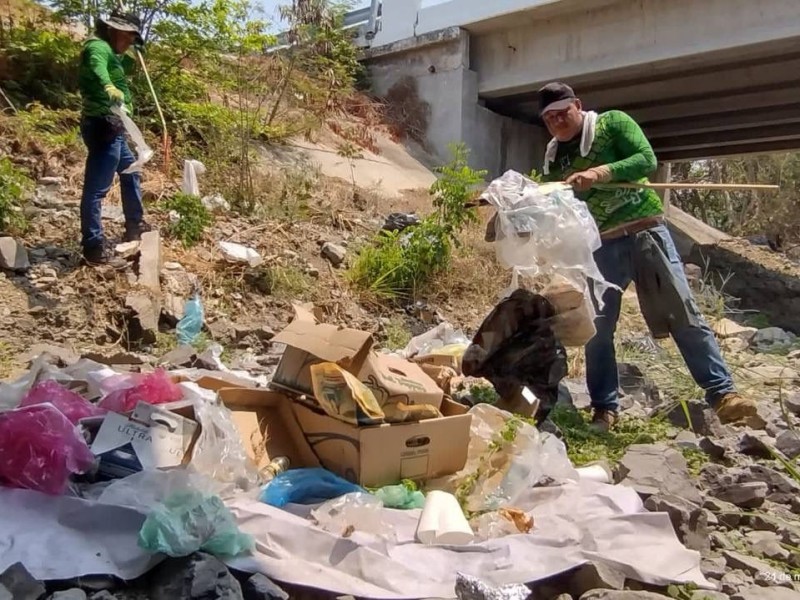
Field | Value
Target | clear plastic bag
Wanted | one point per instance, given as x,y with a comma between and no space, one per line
357,511
442,339
544,230
190,521
219,452
306,486
143,152
191,169
506,457
125,391
41,449
74,406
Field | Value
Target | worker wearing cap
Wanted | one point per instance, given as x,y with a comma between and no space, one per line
588,150
103,84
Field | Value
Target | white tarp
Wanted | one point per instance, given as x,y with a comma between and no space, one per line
61,538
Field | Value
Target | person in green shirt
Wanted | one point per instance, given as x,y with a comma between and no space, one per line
588,150
103,83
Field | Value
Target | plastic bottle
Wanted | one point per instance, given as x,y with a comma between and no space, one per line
277,465
190,326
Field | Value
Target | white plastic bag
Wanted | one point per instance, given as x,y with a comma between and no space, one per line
543,231
238,253
439,337
357,511
143,152
191,169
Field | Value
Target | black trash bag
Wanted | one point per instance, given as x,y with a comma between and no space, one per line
515,347
400,221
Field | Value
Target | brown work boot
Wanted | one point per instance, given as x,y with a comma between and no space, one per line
733,408
604,420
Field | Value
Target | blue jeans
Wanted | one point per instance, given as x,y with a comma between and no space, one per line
697,345
108,154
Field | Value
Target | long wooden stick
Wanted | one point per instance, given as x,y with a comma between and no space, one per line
690,186
165,133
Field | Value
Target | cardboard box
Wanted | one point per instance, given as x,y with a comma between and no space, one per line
308,343
268,427
394,379
440,360
150,438
385,454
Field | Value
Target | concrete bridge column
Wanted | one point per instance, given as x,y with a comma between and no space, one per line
663,175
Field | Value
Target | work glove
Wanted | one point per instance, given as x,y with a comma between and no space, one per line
115,94
584,180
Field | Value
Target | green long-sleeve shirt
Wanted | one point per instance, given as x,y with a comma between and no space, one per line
99,67
620,144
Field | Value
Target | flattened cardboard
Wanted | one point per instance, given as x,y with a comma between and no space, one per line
394,379
150,438
268,427
440,360
309,343
385,454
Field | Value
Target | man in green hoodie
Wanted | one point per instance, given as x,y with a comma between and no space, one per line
103,84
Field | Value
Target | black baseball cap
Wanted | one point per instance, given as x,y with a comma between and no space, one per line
555,96
123,21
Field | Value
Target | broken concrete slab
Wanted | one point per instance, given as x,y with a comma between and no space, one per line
13,255
150,261
146,311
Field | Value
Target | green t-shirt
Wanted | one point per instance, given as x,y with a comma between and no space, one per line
620,144
99,67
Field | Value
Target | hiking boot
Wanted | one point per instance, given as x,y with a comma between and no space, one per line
98,256
733,408
134,231
603,420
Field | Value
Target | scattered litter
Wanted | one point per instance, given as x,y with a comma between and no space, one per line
306,486
143,151
236,253
216,203
400,496
41,449
400,221
191,170
442,522
442,339
472,588
190,326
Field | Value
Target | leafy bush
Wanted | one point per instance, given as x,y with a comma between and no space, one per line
14,185
189,218
399,264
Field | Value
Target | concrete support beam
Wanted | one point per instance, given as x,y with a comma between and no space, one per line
636,34
663,175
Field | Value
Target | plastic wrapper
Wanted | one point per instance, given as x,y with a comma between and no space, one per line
356,511
41,449
146,491
125,391
219,452
501,523
190,521
342,396
143,152
506,457
191,169
74,406
11,393
442,339
400,496
306,486
544,230
190,326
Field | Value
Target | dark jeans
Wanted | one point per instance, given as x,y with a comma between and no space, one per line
697,345
108,154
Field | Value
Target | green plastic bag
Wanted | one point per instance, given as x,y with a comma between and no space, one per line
191,521
400,496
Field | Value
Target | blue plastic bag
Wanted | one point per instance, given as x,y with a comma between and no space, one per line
190,326
306,486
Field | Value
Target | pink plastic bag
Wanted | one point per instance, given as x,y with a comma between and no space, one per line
41,449
126,391
74,406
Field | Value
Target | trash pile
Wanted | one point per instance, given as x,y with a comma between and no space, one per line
355,471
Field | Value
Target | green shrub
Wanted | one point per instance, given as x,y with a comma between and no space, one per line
190,220
399,264
14,185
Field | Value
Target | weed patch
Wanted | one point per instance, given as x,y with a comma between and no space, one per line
189,218
14,186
